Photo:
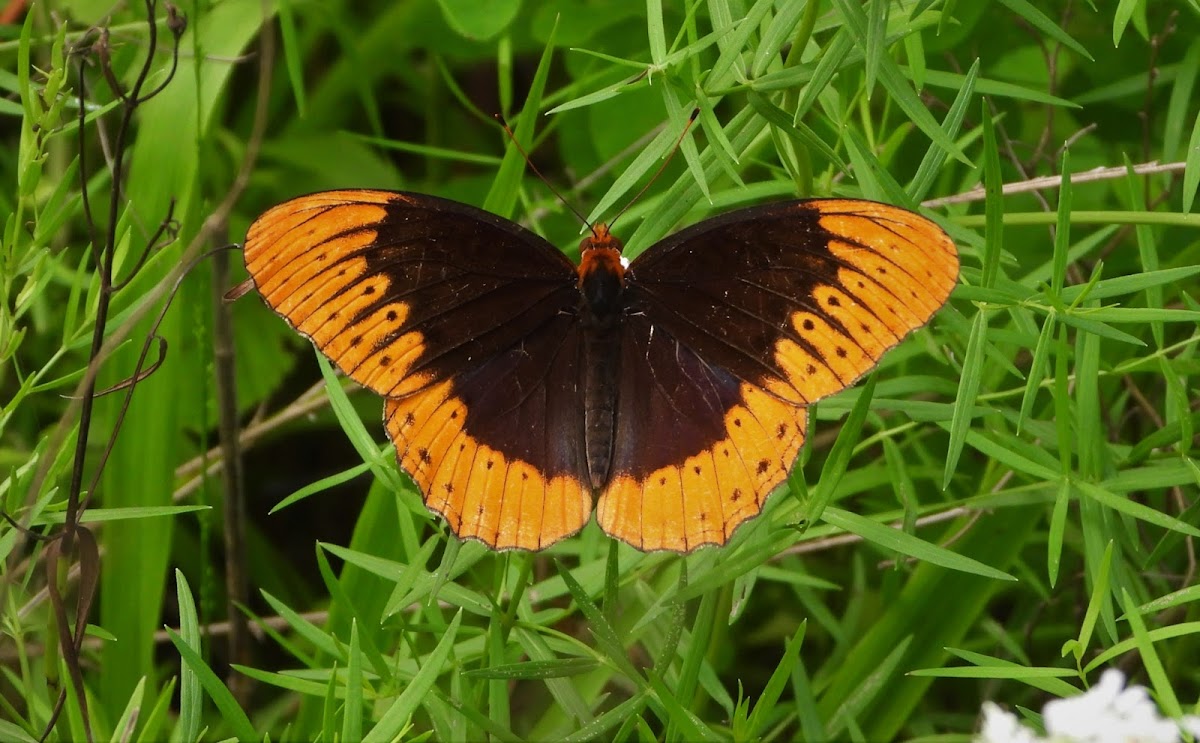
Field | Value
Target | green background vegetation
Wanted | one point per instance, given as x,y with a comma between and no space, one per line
1008,504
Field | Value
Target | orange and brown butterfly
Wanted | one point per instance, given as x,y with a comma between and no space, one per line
523,391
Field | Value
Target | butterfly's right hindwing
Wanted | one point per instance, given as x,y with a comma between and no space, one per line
734,327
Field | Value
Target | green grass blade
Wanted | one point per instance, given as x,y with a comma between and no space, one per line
993,88
610,719
1125,11
396,719
968,390
1116,650
353,707
1058,522
831,61
325,483
1191,173
191,703
1163,689
537,669
876,42
123,729
656,32
1099,597
1037,369
935,156
292,55
303,627
994,205
1135,509
906,544
687,724
227,706
856,703
776,684
606,635
1045,681
502,198
839,455
1042,22
366,638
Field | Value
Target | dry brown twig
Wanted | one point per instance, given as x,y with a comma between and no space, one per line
1055,181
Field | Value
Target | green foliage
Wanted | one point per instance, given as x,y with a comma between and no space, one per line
1041,428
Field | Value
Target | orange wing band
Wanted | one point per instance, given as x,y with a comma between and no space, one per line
704,499
506,504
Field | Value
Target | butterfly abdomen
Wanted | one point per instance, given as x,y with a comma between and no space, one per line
601,372
601,288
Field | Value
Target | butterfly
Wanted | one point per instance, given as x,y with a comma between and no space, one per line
669,395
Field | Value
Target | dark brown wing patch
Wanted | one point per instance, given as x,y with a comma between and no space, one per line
827,285
498,449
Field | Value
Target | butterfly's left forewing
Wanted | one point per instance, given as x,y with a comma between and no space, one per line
762,311
403,290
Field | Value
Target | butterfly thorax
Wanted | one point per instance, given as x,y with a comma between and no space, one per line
601,278
601,283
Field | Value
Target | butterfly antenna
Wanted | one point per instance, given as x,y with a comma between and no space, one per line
538,173
661,168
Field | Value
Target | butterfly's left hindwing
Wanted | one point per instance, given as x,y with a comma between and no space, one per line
498,451
467,324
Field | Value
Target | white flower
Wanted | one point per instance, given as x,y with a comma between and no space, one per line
1107,713
1003,727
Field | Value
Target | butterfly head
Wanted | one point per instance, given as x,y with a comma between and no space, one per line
600,239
